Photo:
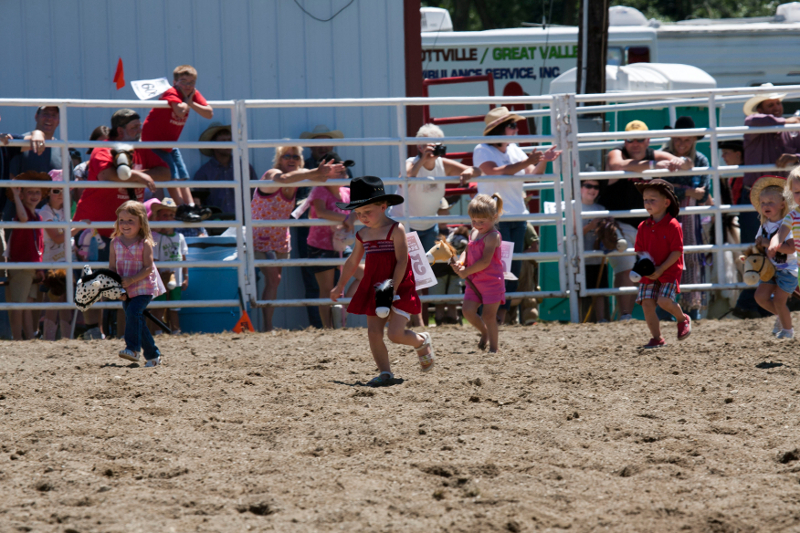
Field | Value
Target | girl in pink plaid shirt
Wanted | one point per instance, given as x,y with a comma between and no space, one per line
131,256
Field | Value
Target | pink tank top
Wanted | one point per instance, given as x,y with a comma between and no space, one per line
273,206
491,280
130,260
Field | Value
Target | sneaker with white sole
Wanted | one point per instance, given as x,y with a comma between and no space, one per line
777,327
93,334
130,355
153,362
785,334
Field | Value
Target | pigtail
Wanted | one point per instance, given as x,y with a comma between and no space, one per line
498,202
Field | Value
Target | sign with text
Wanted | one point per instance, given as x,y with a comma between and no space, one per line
147,89
506,252
423,273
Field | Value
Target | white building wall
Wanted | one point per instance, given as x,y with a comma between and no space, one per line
241,49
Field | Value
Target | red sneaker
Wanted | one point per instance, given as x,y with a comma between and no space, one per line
656,343
684,328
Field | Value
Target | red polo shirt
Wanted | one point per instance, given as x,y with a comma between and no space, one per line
660,239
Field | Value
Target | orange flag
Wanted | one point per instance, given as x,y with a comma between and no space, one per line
119,75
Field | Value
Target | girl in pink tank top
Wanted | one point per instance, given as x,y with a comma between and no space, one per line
482,266
131,256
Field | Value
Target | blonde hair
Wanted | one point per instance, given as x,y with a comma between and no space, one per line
780,193
138,210
485,206
430,130
794,177
184,70
280,150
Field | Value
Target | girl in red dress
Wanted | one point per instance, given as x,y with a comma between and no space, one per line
384,242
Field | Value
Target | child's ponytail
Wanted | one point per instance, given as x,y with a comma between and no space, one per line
498,202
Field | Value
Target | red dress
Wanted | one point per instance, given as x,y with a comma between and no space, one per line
379,267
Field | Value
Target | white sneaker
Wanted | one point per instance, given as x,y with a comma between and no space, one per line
93,334
130,355
337,316
625,318
153,362
777,327
786,334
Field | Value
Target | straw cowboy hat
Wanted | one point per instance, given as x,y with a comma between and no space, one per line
665,188
368,190
209,135
166,203
497,116
762,183
322,131
751,105
31,175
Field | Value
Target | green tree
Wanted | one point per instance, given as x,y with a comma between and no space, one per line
472,15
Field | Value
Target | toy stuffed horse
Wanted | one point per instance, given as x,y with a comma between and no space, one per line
644,266
122,157
445,252
384,296
104,283
757,267
609,236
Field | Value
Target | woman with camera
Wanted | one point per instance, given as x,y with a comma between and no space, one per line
508,159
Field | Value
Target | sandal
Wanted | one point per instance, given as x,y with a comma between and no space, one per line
426,360
382,380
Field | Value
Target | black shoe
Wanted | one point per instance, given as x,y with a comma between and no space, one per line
186,213
203,212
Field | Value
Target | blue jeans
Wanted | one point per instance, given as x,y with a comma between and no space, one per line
137,336
173,159
513,232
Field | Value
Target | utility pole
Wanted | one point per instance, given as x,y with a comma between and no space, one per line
593,47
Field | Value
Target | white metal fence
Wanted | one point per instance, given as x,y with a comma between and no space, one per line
562,111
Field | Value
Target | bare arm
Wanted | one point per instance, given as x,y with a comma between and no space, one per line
489,168
491,242
205,111
454,168
779,241
22,215
400,253
137,176
327,214
671,260
348,270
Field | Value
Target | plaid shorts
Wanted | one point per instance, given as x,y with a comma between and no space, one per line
655,290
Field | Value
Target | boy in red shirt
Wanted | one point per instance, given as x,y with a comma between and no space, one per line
166,124
661,236
25,245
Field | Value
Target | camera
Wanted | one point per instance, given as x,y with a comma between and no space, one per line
439,150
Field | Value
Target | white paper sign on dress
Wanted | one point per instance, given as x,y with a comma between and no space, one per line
147,89
423,273
506,252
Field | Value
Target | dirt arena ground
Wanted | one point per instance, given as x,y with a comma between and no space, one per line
568,428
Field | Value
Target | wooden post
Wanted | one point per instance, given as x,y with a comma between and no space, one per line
595,35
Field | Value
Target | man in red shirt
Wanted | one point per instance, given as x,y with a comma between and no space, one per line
661,237
166,124
100,205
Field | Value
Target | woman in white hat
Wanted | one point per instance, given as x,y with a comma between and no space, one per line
508,159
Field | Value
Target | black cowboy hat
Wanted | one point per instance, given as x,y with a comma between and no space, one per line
684,123
665,188
368,190
333,156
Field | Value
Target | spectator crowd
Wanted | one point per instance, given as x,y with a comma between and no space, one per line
276,198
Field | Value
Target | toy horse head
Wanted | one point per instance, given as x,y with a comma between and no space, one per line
122,156
442,251
609,236
757,267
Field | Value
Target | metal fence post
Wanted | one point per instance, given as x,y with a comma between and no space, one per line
66,161
243,247
719,253
568,139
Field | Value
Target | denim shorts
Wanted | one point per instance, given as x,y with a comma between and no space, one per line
319,253
174,160
785,280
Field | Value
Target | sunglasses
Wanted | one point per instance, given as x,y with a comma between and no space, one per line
293,157
512,125
57,191
634,140
587,186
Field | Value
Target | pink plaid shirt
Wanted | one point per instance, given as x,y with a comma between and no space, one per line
130,260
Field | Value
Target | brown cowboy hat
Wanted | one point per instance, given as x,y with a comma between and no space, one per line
31,175
665,188
209,135
762,183
497,116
